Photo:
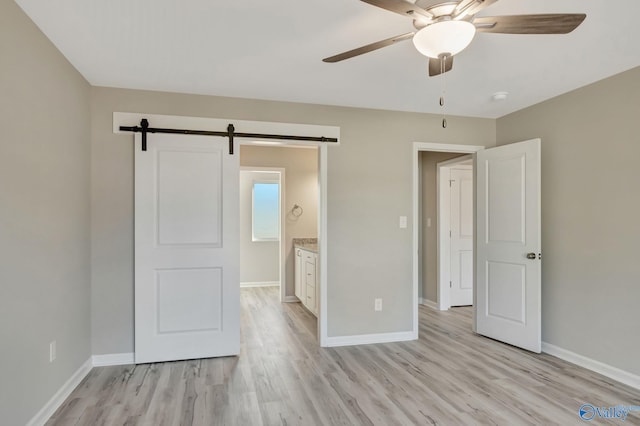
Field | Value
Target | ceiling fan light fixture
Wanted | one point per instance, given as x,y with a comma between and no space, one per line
445,37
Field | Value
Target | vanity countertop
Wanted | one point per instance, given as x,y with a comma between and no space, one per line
309,244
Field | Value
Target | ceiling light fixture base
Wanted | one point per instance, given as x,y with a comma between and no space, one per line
499,96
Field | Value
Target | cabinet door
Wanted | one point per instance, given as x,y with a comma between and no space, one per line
310,281
297,272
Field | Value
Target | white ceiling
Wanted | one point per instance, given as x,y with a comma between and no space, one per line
274,49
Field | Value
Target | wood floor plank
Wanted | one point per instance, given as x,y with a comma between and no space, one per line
450,376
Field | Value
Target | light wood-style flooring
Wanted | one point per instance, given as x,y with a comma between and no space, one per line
450,376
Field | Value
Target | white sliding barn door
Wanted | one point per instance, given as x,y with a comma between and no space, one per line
508,244
187,292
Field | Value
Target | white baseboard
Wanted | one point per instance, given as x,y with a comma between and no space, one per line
429,304
291,299
112,359
260,284
59,397
614,373
367,339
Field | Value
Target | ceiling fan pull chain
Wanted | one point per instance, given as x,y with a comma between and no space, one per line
443,59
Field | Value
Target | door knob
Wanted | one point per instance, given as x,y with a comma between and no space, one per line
531,256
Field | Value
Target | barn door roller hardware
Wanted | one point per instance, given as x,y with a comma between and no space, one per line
230,133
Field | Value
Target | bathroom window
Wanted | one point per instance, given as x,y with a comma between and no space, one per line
266,211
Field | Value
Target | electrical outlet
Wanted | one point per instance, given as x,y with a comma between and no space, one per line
52,351
378,304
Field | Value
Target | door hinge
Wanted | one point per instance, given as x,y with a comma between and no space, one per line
449,233
230,132
451,180
450,284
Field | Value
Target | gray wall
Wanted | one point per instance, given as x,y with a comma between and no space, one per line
429,175
259,260
370,179
301,187
590,210
44,217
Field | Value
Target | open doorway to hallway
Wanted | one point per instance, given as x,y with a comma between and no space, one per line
445,229
279,211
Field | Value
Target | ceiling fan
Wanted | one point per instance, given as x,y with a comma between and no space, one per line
445,28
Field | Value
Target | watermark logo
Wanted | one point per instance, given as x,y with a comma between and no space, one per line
589,412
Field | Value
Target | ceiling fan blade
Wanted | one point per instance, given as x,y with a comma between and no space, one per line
551,23
435,65
470,7
368,48
403,7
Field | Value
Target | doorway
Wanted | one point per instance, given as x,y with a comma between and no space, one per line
262,228
267,261
425,219
507,267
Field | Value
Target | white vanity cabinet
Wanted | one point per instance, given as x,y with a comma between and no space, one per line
306,279
297,272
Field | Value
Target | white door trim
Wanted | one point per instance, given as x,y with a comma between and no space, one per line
283,256
215,124
323,172
443,197
417,148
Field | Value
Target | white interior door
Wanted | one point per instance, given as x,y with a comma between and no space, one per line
187,292
461,222
508,256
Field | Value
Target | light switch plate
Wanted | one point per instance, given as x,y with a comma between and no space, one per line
403,221
377,305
